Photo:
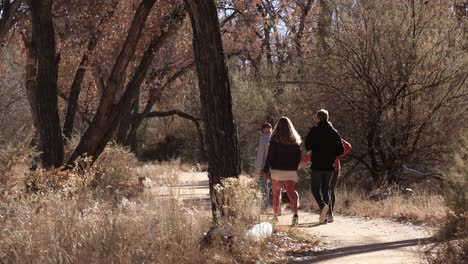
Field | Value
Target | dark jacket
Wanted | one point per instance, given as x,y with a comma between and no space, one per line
325,143
282,157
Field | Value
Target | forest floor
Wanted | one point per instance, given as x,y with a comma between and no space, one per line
347,240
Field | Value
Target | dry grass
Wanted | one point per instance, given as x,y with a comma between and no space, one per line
55,229
103,224
63,219
419,207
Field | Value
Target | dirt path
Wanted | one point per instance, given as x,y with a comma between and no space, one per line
357,240
347,240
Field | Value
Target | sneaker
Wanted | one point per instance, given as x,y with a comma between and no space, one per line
323,215
330,219
295,220
274,220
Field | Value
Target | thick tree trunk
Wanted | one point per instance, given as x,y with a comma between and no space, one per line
43,38
215,94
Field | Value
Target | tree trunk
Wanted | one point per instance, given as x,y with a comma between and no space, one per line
126,123
76,90
215,94
43,38
305,8
323,25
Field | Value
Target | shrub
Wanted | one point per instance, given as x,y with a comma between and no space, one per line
115,166
452,237
15,164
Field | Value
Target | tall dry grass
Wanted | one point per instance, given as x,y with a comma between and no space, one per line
111,218
419,207
52,228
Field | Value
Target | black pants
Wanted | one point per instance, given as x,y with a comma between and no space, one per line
320,186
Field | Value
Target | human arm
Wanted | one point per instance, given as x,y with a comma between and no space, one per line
306,160
308,140
339,145
347,148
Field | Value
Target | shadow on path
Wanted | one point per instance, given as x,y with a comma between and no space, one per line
355,250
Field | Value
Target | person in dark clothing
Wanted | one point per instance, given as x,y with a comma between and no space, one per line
284,155
326,145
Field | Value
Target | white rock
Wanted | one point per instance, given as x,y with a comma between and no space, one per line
260,231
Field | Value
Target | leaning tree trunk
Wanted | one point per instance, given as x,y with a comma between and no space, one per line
92,142
215,94
43,38
75,89
108,117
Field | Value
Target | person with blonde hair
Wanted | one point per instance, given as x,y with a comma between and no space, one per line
284,155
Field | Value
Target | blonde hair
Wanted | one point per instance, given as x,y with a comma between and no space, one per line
285,133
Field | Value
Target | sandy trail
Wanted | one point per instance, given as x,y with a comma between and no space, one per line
347,240
357,240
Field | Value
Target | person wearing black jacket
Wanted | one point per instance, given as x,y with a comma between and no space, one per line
325,143
284,155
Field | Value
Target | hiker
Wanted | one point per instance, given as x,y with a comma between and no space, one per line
262,152
284,155
335,176
326,145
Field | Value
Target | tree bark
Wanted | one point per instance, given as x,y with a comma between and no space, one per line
43,38
126,122
215,94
